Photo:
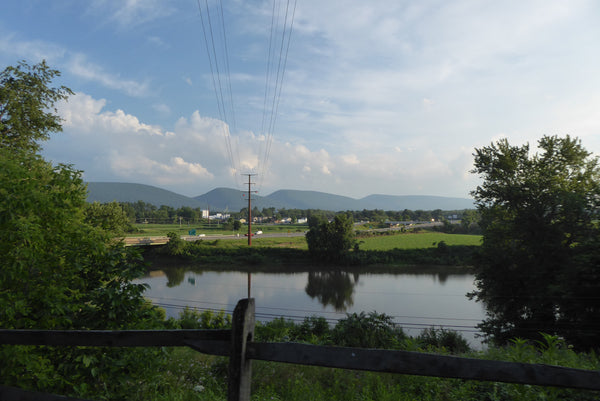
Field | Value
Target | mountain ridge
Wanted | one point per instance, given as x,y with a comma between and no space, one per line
228,199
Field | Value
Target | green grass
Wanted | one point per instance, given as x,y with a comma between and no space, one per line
416,241
377,243
189,375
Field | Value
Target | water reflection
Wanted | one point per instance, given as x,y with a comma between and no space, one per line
416,298
332,288
175,276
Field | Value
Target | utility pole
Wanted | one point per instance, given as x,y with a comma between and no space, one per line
250,223
250,208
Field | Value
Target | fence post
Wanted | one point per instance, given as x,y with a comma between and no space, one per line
240,368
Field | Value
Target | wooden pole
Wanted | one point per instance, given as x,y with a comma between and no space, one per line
240,367
249,224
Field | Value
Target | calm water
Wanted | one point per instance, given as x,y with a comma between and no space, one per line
415,301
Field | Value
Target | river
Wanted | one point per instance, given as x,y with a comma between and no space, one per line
415,301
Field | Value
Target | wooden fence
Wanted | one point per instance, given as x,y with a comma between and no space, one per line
238,344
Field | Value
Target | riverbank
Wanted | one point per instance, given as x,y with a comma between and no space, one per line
382,253
286,260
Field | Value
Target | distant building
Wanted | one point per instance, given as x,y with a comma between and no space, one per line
219,216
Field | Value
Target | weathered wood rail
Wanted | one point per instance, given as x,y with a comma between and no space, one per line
238,344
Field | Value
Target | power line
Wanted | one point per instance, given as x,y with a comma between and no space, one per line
269,313
276,95
402,324
211,50
280,37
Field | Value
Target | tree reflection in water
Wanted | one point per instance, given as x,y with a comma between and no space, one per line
175,276
334,288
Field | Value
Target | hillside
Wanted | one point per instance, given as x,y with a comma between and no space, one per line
232,199
312,200
416,202
127,192
221,199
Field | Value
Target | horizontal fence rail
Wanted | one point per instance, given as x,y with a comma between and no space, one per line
112,338
239,346
416,363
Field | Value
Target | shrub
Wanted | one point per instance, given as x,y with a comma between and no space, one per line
176,246
206,320
449,340
368,331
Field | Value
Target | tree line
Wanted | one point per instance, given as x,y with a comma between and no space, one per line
140,212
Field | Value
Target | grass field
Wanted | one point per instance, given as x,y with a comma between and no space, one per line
416,241
419,240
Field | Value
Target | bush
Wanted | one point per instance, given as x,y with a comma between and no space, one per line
368,331
447,340
176,246
278,329
206,320
311,328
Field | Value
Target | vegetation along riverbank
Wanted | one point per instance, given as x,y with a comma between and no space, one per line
399,250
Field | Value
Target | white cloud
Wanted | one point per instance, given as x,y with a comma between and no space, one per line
175,171
11,44
117,146
158,42
162,108
350,159
70,62
84,114
79,66
128,14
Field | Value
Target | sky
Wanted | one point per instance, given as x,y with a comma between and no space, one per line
346,97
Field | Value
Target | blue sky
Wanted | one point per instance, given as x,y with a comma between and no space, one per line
387,97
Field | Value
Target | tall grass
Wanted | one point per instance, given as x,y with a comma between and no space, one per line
188,375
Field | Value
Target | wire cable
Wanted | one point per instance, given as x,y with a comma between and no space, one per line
211,50
272,112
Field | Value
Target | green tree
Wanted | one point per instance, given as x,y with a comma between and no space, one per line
330,241
108,216
58,271
27,105
540,240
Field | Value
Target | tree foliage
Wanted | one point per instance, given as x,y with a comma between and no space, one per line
540,240
27,105
330,241
58,269
108,216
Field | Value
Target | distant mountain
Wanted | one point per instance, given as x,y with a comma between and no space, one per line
416,202
228,199
293,199
221,199
127,192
